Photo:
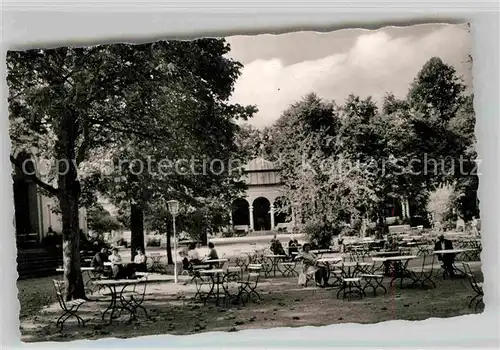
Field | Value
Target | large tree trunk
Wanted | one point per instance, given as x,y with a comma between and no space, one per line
71,247
136,229
69,195
170,261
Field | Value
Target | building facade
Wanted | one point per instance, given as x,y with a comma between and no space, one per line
260,208
34,215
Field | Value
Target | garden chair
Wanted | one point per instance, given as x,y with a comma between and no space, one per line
373,279
132,300
70,308
477,287
289,267
423,274
248,286
231,284
351,283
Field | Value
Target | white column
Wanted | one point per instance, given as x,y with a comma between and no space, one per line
251,217
404,208
407,208
272,217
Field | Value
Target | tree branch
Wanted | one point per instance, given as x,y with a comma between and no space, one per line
52,190
85,144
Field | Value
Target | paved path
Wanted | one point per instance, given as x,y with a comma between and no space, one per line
230,247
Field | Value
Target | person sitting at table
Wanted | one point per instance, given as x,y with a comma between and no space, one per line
447,259
212,253
390,244
312,266
293,249
192,255
140,261
276,247
116,264
99,259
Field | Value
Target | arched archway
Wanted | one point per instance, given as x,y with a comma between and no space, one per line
282,210
240,213
262,214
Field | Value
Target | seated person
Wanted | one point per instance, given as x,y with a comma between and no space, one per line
140,261
390,244
293,249
276,247
212,255
312,266
447,259
192,255
116,264
99,259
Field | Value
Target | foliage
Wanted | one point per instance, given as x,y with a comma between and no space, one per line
442,201
75,105
342,163
320,234
100,221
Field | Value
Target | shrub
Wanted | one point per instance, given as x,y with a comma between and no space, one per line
153,241
320,233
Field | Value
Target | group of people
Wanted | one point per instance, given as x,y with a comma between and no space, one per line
313,267
193,257
311,264
119,269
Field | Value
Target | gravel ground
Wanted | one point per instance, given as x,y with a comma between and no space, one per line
283,304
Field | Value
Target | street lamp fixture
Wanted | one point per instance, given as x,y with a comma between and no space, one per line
173,208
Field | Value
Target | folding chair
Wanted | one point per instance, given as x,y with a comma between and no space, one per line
132,300
373,279
350,283
477,287
423,274
249,286
70,308
289,268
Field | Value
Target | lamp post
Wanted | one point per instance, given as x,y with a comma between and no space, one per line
173,208
295,206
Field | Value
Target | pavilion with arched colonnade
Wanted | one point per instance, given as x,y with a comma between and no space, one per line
259,209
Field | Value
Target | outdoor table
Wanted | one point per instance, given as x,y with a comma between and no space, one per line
329,262
215,281
117,294
218,262
398,267
320,252
156,262
274,265
456,252
386,253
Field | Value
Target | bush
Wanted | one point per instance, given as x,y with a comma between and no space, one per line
321,234
153,241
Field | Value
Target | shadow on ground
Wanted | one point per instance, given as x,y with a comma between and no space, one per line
283,304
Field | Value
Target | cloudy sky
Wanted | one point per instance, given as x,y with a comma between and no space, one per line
280,69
